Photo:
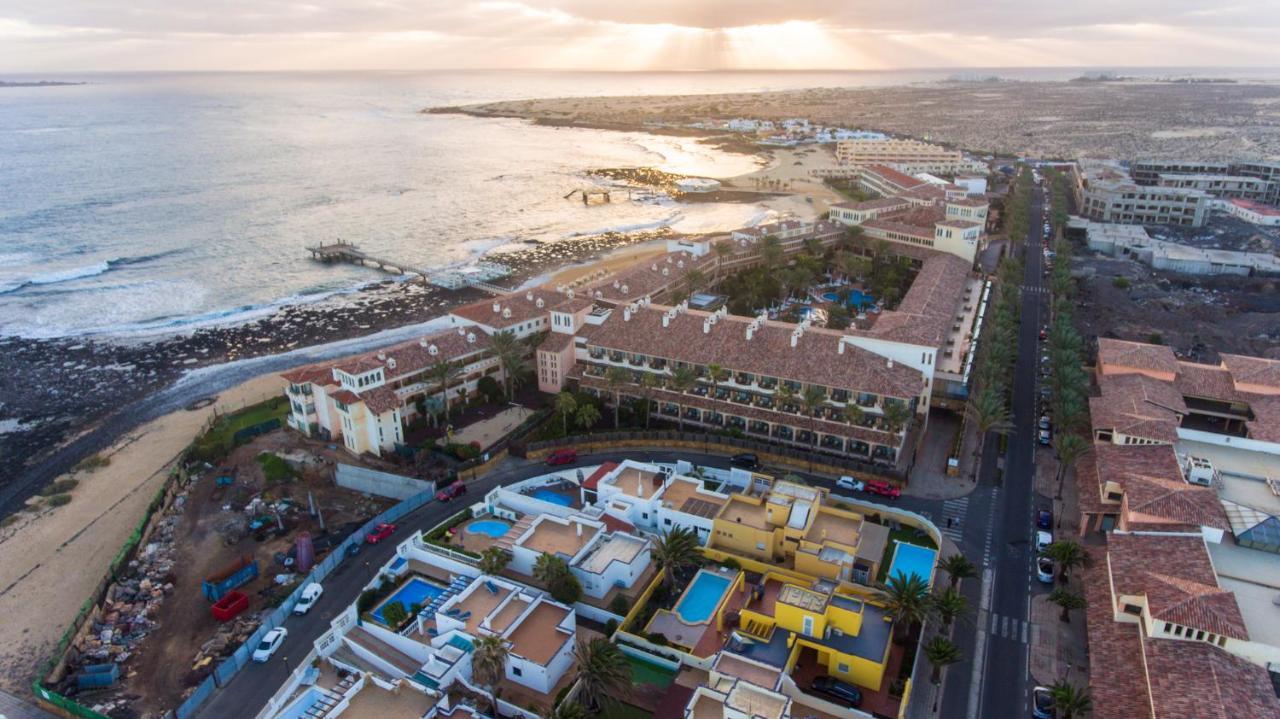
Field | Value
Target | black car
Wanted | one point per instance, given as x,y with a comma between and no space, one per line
838,689
746,461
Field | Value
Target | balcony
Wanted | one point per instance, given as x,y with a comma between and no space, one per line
741,398
658,365
767,383
755,426
636,360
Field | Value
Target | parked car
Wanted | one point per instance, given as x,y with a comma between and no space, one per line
308,599
1044,334
1043,539
1044,421
838,689
883,488
1044,518
380,532
745,461
847,482
1045,570
1042,704
457,489
271,641
1045,436
562,456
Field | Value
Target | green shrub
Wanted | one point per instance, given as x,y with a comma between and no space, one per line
60,486
489,387
731,563
88,464
1120,283
610,627
58,500
394,615
9,520
619,606
367,599
274,468
657,638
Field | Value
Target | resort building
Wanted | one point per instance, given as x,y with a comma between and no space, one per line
1108,194
1255,213
366,400
1257,181
1178,479
653,498
601,560
524,313
909,155
1134,242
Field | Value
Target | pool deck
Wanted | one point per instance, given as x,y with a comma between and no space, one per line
552,537
477,541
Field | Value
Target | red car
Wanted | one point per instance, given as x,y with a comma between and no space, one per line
454,490
883,488
562,456
380,532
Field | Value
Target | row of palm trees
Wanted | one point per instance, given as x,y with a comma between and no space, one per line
509,350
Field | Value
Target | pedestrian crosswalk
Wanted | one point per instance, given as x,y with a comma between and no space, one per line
1011,628
953,514
1036,289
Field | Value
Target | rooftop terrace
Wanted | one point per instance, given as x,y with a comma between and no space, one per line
549,536
635,482
538,637
831,527
745,511
616,547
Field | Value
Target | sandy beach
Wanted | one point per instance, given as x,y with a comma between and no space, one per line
51,560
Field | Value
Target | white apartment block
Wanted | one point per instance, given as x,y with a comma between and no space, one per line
919,156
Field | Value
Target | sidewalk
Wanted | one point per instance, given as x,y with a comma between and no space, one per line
1066,514
929,478
1058,649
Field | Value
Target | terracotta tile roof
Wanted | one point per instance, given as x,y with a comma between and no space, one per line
523,306
969,202
1202,380
960,224
380,399
451,345
924,193
1137,355
345,396
1171,503
888,224
644,279
574,304
1265,426
1175,574
901,179
555,342
593,482
1090,489
1117,680
1194,680
1253,370
310,374
1137,405
925,314
770,228
880,203
750,412
814,359
1117,462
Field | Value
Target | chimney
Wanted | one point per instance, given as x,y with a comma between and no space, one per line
839,348
794,339
626,314
890,364
579,526
751,330
666,320
529,295
706,327
497,307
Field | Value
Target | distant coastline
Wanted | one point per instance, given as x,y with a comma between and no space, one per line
40,83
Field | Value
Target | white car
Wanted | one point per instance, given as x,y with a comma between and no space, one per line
849,483
308,599
1043,539
269,644
1045,570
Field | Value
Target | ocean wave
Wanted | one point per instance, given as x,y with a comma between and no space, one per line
81,272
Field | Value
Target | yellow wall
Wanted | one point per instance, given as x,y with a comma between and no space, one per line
791,618
847,621
814,567
744,539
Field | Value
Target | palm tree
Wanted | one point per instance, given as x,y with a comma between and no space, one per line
770,250
1067,555
716,374
721,250
648,383
1070,448
896,416
786,395
682,380
603,672
1068,600
676,551
812,399
615,377
957,566
906,600
568,710
988,412
693,280
586,416
554,574
493,560
443,373
940,651
949,605
510,353
565,406
1068,699
489,664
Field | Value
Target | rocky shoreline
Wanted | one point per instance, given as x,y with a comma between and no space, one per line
58,390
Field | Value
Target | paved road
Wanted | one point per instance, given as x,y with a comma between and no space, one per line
250,690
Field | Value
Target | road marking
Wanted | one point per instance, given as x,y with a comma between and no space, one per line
953,515
1011,628
1024,632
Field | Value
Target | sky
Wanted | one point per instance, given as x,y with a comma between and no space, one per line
146,35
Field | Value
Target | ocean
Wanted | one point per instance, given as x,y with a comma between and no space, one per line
150,203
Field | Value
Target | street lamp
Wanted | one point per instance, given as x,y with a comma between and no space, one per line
285,659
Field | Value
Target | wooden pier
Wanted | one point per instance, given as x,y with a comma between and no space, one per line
589,192
346,252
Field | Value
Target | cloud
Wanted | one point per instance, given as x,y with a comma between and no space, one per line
40,35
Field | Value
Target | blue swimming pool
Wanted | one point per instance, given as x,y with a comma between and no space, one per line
912,559
493,527
702,597
552,496
415,591
830,296
857,298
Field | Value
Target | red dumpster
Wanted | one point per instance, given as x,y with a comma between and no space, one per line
229,606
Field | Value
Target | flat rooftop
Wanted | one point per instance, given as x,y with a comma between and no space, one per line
959,341
803,598
1254,576
829,527
549,536
745,512
682,495
616,547
635,482
735,666
538,637
508,614
480,601
756,702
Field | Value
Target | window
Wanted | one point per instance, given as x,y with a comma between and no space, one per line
760,546
516,671
842,668
667,522
1168,628
645,515
1132,609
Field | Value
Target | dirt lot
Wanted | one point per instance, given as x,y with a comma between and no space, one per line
163,667
1197,316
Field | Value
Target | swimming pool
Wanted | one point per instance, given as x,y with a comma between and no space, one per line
493,527
912,559
415,591
552,496
830,296
857,298
702,597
